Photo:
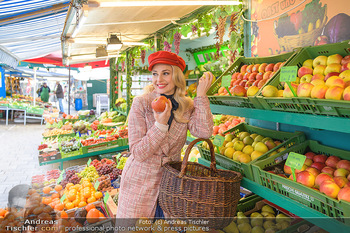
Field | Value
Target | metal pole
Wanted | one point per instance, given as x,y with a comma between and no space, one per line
69,90
34,68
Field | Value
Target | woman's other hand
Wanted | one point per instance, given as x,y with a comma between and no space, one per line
204,84
163,117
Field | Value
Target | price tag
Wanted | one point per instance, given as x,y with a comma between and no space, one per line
106,197
226,81
193,159
295,161
63,198
60,178
218,140
218,117
89,161
289,74
96,185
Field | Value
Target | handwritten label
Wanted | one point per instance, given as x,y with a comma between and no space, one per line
106,197
96,185
218,140
226,81
63,198
89,161
289,74
295,160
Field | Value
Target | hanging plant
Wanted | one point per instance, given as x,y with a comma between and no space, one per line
143,56
177,39
123,66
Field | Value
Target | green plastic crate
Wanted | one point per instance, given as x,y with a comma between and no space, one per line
245,102
248,203
298,192
61,135
294,228
35,111
72,153
95,147
339,108
69,120
289,139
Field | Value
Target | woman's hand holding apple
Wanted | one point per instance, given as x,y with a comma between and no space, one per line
163,117
204,84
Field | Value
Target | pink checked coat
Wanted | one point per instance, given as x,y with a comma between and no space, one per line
151,148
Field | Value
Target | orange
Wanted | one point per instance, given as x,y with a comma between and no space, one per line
46,200
76,202
59,207
71,197
64,215
69,185
81,204
87,194
98,195
90,207
31,191
55,195
91,199
73,191
2,212
93,216
58,188
69,205
47,190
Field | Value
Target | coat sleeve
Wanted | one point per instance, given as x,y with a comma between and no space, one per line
201,120
143,143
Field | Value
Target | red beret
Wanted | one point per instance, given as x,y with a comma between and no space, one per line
165,57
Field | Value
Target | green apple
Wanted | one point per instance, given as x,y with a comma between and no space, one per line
239,145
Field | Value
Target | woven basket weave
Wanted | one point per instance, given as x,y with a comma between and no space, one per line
192,190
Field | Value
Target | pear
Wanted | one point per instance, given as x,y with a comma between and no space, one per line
267,139
254,135
256,215
231,228
268,224
256,222
282,217
242,219
282,225
267,208
244,228
242,135
258,138
271,230
268,215
258,229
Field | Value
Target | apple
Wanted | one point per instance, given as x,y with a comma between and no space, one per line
269,91
262,67
297,81
245,76
306,78
236,82
321,178
269,67
252,90
266,75
319,91
287,92
344,164
345,66
239,91
335,58
320,158
347,84
345,75
346,93
255,83
341,172
308,63
344,194
310,155
306,178
317,76
303,168
304,70
345,60
280,93
259,76
316,82
261,83
249,68
328,170
321,40
320,60
240,76
330,75
256,68
252,76
244,69
334,67
242,83
334,93
248,84
272,74
159,103
319,69
332,161
276,66
221,90
308,162
330,188
319,166
304,89
313,171
234,75
335,81
287,169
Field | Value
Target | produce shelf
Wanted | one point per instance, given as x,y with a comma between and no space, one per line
120,111
331,123
111,150
329,224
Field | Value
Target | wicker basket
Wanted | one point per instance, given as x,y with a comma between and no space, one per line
288,43
191,190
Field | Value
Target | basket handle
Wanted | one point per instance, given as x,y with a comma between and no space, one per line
187,153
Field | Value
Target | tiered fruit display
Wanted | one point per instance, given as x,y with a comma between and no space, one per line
55,132
70,177
105,184
329,175
89,173
263,220
246,147
70,144
321,78
225,123
250,79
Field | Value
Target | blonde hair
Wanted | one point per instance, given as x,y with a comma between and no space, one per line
179,95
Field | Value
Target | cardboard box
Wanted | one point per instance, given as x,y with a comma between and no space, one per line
111,206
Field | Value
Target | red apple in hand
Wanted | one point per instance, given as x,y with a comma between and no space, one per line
158,104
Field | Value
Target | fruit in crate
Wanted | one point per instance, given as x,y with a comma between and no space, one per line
225,123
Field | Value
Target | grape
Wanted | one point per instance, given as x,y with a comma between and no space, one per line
143,56
177,39
194,29
167,46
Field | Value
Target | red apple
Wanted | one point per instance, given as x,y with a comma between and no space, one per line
332,161
330,188
313,171
306,178
328,170
304,70
235,83
308,162
310,155
321,178
266,75
262,68
272,74
341,181
318,165
239,91
287,169
345,60
269,67
255,68
345,66
252,76
303,168
261,83
244,68
234,75
242,83
255,83
344,164
159,104
250,68
248,84
259,76
277,66
245,76
344,194
341,172
320,158
330,75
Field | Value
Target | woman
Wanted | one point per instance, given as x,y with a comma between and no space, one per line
156,138
45,93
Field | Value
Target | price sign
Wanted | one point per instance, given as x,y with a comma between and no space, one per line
218,140
61,177
193,159
289,74
295,161
89,161
218,117
106,197
63,198
226,81
96,185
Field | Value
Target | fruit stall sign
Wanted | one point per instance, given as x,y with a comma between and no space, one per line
289,73
63,198
89,161
218,140
106,197
295,161
226,82
96,185
218,117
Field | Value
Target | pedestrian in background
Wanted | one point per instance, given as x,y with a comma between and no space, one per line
60,96
44,92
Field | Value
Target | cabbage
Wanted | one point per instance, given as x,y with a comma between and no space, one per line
337,29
